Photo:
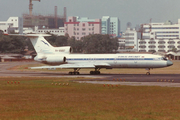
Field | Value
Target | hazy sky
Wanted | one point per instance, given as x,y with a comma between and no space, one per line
134,11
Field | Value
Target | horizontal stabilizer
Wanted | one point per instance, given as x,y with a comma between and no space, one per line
30,35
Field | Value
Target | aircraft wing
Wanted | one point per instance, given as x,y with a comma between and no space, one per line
71,66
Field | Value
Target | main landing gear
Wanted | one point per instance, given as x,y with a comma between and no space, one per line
96,72
76,71
148,73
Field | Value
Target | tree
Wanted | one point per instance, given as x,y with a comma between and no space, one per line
55,40
76,45
61,41
51,39
13,44
98,43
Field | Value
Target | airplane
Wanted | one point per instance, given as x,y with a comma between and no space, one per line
61,57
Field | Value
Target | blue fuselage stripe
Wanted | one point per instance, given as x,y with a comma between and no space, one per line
69,59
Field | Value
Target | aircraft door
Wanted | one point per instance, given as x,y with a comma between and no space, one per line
115,60
135,61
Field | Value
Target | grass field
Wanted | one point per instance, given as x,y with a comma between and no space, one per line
38,99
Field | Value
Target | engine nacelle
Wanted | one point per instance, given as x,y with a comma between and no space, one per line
65,49
55,60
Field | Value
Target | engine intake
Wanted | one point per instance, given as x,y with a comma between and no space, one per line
55,60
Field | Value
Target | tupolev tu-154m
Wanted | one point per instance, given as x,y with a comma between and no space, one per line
61,57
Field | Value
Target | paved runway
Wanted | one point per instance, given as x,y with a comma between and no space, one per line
116,78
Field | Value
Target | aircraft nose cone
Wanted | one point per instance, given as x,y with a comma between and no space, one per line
169,63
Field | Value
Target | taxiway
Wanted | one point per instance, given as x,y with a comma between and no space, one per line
100,79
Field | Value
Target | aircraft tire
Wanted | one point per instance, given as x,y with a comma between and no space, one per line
94,72
91,72
148,73
76,73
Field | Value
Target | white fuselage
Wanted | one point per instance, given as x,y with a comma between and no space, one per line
118,60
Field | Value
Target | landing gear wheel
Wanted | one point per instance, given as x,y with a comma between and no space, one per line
76,73
73,73
148,73
94,72
91,72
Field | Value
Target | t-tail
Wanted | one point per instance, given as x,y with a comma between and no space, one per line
46,53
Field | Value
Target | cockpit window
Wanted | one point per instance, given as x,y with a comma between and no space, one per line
163,58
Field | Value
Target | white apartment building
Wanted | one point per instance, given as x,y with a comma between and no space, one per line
12,24
121,42
159,37
131,38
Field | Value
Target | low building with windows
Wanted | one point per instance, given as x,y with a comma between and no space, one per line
13,24
58,32
80,27
173,55
36,30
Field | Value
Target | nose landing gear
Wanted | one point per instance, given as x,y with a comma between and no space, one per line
148,73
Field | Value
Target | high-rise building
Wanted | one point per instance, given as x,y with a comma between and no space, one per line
105,24
110,25
114,26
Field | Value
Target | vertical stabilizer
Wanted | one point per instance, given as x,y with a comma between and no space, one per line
41,45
